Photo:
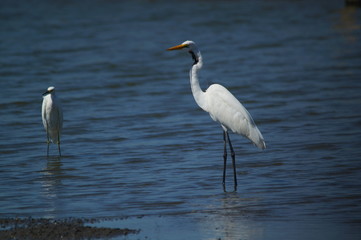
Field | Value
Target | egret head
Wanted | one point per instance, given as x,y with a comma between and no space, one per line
50,90
187,44
191,47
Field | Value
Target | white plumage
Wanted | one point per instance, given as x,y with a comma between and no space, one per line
52,116
223,107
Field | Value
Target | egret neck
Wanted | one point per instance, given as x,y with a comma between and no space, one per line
198,94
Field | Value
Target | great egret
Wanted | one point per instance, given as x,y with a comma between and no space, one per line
52,116
223,107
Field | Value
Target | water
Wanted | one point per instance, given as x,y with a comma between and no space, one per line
137,147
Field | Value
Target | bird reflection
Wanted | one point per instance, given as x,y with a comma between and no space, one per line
233,218
51,184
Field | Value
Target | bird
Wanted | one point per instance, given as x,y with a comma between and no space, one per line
52,116
223,107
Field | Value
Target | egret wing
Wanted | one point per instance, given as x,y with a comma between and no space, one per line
228,111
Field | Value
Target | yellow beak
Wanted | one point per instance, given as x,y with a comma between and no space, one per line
177,47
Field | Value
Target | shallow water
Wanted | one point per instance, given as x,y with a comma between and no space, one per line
135,144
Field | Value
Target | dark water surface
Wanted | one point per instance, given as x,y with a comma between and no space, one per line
139,151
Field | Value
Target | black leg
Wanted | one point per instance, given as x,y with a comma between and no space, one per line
233,162
47,138
224,158
59,144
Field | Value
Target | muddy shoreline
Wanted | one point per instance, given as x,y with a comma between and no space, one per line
66,229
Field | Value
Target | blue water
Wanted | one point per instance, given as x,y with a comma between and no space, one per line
135,145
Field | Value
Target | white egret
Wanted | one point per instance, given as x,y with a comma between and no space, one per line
223,107
52,116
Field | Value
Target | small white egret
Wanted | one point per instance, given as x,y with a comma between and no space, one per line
52,116
223,107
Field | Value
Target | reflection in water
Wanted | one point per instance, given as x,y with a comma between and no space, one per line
348,23
51,182
232,217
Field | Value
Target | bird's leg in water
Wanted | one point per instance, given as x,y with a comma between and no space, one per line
47,139
59,143
224,159
47,152
233,162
